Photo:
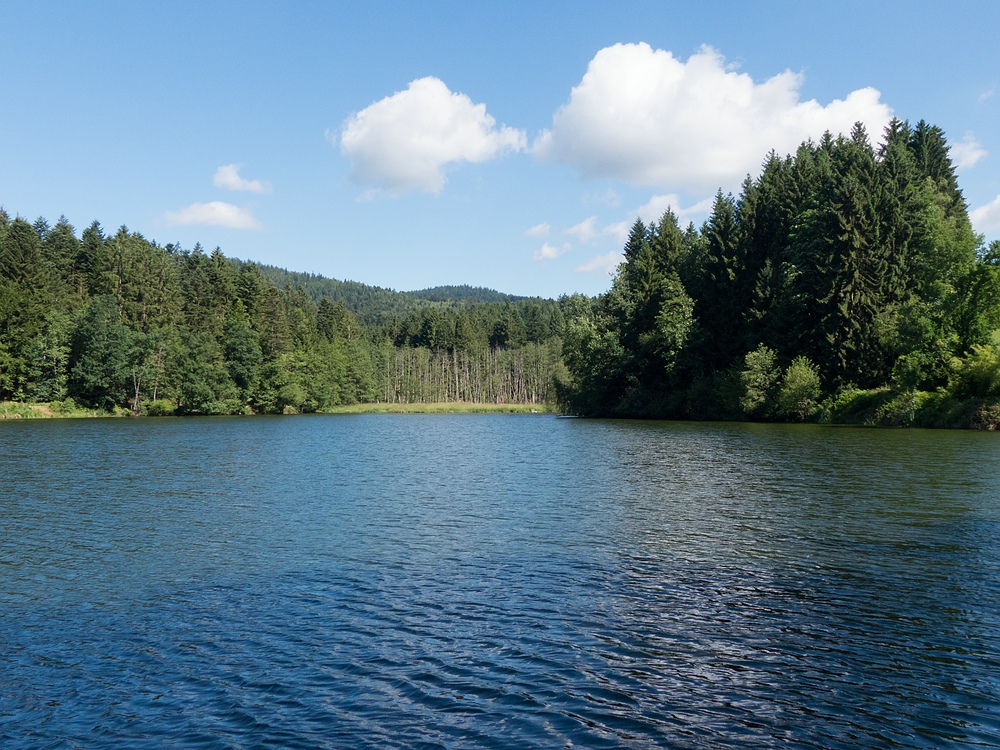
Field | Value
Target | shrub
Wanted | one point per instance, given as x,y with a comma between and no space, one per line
978,375
760,381
161,407
799,392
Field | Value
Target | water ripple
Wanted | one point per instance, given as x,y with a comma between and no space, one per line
627,586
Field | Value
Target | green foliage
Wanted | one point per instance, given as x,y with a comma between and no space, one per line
852,264
161,407
99,360
799,392
978,375
760,379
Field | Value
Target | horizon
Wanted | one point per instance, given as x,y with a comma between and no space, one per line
380,145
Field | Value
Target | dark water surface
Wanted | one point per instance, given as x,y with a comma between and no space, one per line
496,581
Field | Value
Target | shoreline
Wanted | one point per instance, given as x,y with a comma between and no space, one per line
881,408
17,410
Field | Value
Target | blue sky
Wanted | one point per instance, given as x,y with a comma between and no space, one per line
496,144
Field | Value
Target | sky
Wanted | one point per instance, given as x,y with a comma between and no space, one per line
508,145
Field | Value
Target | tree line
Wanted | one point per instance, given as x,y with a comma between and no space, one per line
118,322
847,267
845,277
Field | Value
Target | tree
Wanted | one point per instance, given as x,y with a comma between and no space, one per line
100,357
799,391
760,378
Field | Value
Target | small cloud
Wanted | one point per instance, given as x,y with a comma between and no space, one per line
228,177
585,231
968,151
609,198
619,230
607,263
216,214
987,218
539,230
550,252
404,142
654,209
988,94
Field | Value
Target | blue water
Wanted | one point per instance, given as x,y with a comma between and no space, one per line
469,581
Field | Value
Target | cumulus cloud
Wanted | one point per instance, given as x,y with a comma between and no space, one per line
539,230
606,263
215,213
550,252
643,116
585,231
968,151
228,177
404,141
987,218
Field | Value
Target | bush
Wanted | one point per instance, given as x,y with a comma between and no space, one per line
161,407
902,410
987,418
760,381
799,392
978,375
66,406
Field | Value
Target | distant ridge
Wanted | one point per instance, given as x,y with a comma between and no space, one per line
464,293
374,304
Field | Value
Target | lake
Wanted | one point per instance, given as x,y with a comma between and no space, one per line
465,581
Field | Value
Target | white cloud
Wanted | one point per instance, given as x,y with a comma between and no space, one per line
652,211
539,230
609,198
968,151
550,252
404,142
987,218
645,117
216,213
606,263
619,230
228,177
585,231
988,94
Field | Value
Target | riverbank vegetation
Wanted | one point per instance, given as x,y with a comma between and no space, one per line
844,284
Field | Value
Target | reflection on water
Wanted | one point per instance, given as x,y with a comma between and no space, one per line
472,581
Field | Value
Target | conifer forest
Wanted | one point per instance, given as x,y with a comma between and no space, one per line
844,283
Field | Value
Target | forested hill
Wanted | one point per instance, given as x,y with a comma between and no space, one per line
374,305
464,293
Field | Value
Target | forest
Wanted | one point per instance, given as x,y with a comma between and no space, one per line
844,283
120,324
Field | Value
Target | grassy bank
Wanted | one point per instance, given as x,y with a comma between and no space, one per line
872,408
449,407
52,410
69,410
888,408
